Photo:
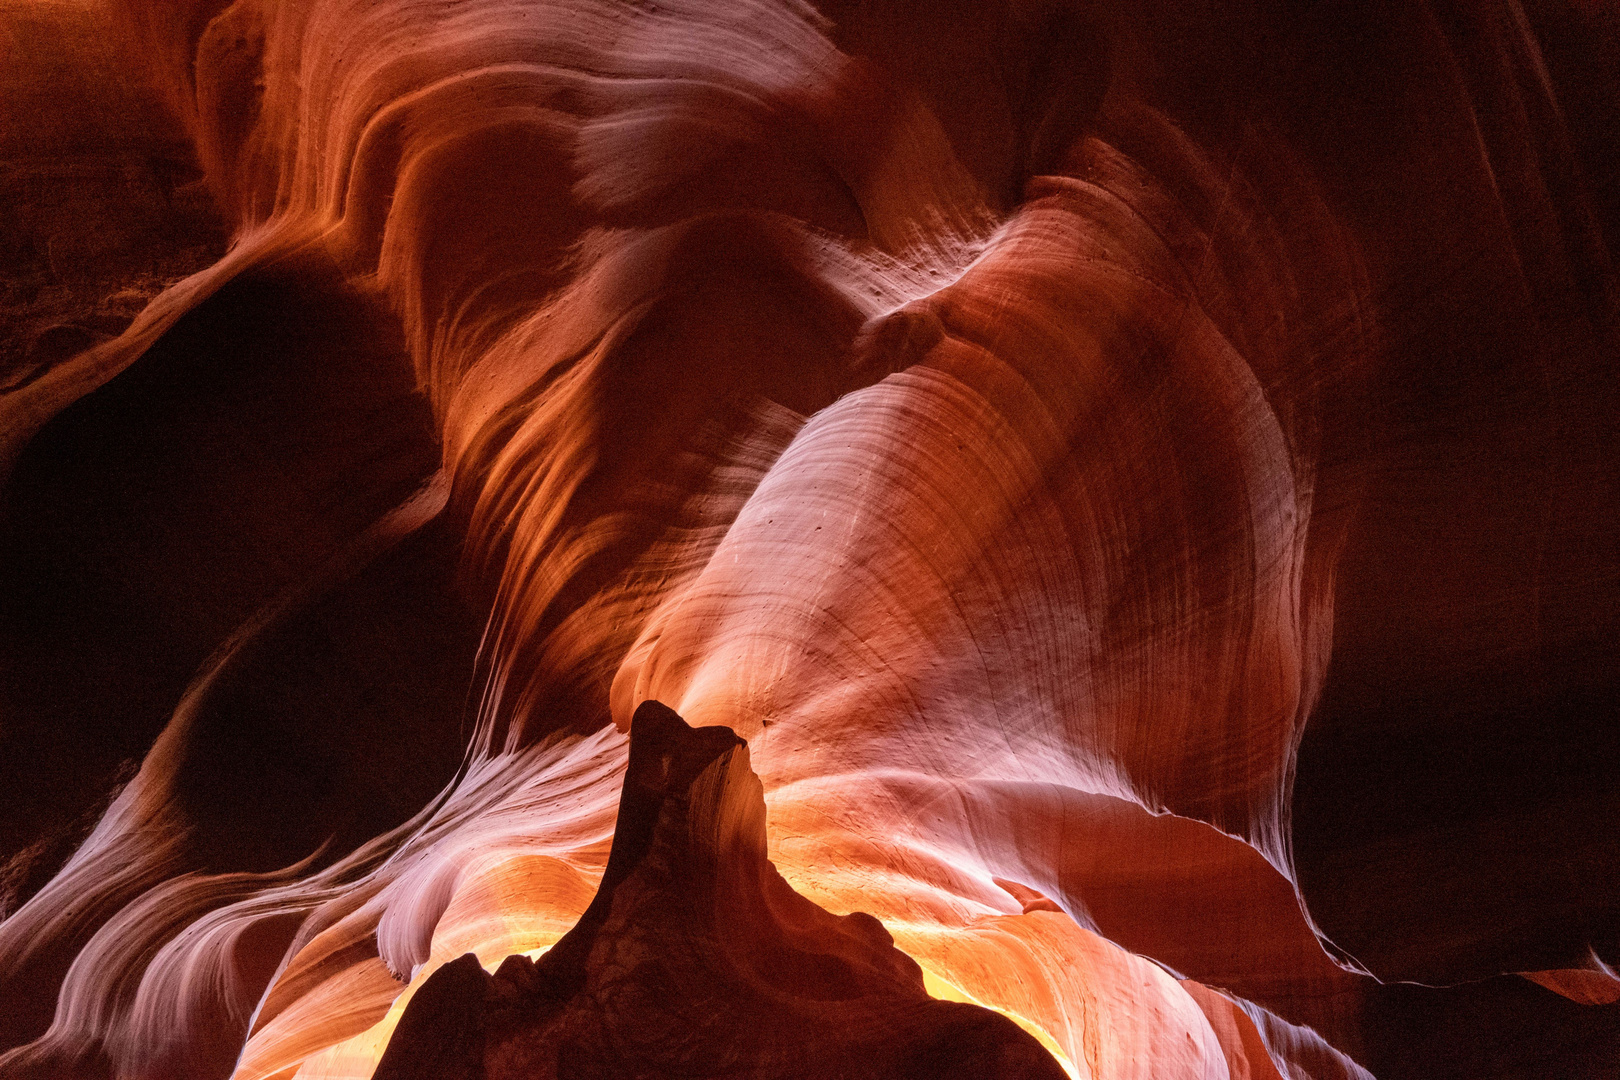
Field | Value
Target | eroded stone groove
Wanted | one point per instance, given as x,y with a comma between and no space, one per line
1139,483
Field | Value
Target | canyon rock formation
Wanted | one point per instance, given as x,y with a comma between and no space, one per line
1126,497
695,958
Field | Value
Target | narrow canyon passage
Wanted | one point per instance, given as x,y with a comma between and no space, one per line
843,539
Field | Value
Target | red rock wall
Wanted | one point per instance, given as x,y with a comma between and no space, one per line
1142,481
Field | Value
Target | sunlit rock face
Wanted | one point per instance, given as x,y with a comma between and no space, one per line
1127,496
695,958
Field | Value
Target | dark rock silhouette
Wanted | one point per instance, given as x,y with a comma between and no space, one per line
696,959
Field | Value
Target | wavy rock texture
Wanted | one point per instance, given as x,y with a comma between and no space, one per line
695,958
1140,481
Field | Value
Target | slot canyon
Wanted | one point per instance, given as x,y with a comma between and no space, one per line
842,539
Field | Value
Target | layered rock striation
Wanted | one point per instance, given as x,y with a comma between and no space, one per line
1125,496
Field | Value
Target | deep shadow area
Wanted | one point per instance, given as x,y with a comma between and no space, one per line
1502,1027
148,521
338,720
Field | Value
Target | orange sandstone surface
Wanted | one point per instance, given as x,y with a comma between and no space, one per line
759,538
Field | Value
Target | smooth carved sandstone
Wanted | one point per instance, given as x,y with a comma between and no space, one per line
696,959
1141,479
